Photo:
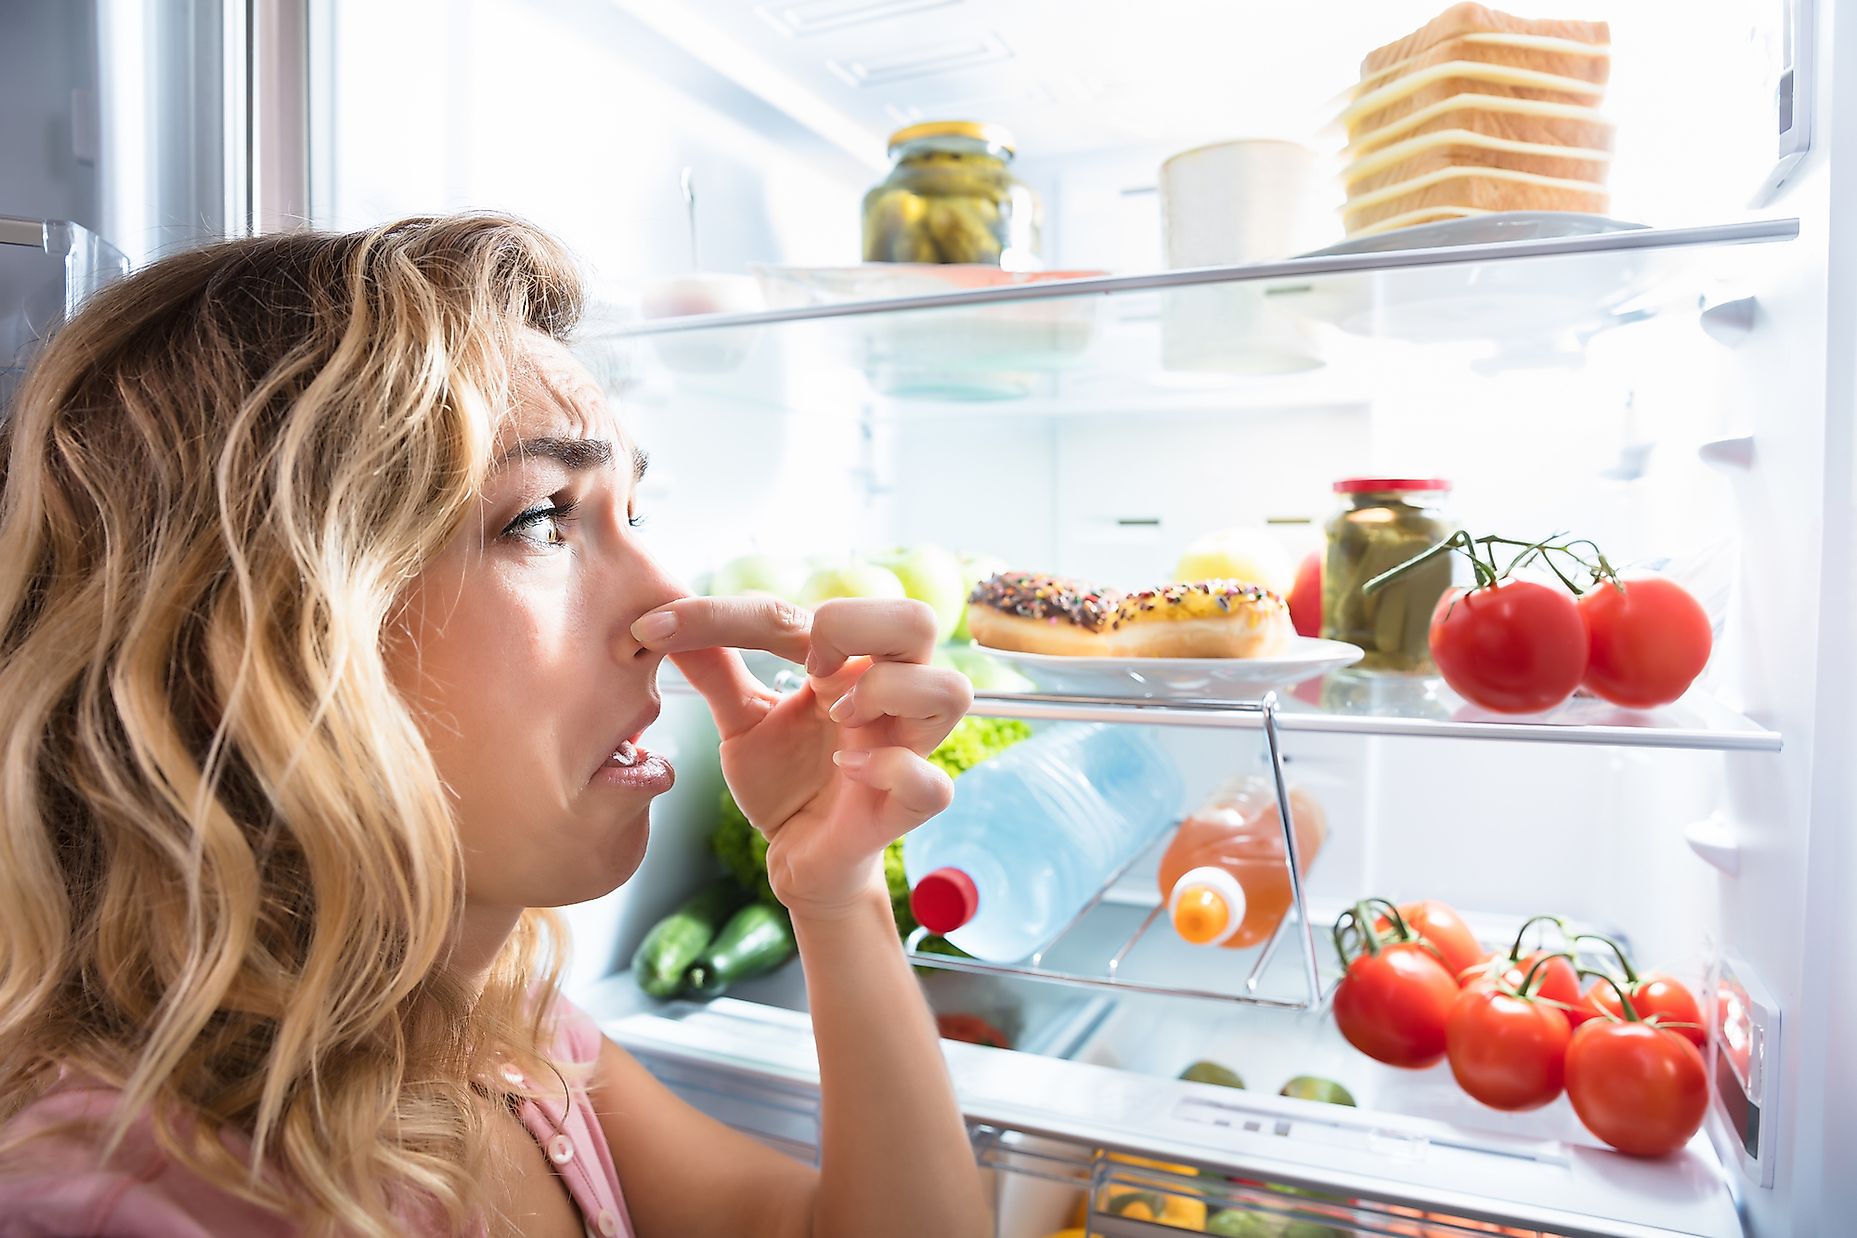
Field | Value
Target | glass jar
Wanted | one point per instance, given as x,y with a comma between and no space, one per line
1386,522
951,197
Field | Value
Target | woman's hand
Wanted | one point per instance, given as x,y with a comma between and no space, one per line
833,772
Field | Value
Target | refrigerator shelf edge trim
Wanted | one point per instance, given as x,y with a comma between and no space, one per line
1751,232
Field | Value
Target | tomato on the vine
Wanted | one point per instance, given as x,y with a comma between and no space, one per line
1393,1005
1648,639
1506,1050
1546,975
1394,1000
1439,924
1516,646
1557,981
1639,1088
1655,997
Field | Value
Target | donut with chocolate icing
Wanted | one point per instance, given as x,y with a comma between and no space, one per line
1031,613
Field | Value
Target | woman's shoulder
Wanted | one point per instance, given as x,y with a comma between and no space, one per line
55,1181
577,1038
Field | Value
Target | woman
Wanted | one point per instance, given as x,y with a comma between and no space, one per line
327,649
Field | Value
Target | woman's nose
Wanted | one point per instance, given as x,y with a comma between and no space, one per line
653,588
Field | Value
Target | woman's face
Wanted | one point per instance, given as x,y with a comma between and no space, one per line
516,653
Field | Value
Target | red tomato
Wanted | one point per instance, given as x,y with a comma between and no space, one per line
1654,995
1508,1052
1306,597
1517,647
1557,981
1439,924
971,1028
1647,642
1641,1089
1393,1005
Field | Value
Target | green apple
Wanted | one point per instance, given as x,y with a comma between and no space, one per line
933,575
758,573
974,569
854,579
987,674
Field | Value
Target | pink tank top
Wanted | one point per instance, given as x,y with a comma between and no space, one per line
54,1188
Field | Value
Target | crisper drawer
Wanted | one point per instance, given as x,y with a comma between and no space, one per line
1057,1133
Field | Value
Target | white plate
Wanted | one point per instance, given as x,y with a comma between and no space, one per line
1231,679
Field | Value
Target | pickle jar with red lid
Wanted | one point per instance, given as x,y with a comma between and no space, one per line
1384,522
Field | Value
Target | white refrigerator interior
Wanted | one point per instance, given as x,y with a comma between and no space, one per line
1684,398
1673,424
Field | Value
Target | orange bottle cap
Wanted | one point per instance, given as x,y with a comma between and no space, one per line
1201,916
1207,905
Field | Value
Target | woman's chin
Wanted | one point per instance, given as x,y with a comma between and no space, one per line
628,851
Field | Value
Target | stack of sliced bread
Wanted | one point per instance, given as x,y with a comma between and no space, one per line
1478,112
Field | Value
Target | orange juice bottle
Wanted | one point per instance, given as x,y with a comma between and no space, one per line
1224,876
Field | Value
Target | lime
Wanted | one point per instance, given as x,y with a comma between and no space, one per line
1313,1087
1212,1072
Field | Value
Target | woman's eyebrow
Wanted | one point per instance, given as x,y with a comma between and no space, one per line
578,454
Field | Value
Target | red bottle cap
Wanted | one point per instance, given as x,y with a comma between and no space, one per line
944,900
1374,485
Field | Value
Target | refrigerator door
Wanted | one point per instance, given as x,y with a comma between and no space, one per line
1055,1130
46,268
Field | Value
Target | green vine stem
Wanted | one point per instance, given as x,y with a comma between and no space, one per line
1624,998
1491,573
1357,924
1528,981
1353,922
1515,951
1624,961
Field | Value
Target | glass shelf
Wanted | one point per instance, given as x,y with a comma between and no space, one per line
1354,703
1262,335
1360,703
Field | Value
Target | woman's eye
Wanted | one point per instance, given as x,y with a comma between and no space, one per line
544,525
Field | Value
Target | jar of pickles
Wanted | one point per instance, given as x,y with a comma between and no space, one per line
951,197
1384,523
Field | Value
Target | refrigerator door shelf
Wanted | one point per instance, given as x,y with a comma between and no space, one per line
47,268
1050,1124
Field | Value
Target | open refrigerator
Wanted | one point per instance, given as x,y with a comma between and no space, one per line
1681,392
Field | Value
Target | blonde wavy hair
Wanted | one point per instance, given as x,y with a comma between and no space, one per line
229,872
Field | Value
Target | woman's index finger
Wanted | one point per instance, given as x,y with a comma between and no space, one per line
693,623
885,630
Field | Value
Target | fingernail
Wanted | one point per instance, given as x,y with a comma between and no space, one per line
841,708
657,626
851,758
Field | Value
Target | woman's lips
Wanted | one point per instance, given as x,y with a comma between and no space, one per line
635,768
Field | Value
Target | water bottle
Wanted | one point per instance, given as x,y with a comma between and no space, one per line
1034,833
